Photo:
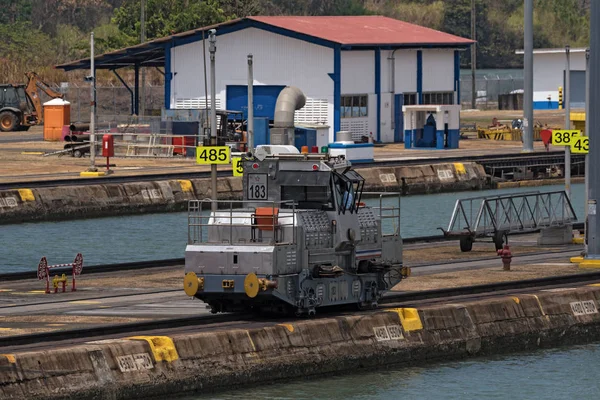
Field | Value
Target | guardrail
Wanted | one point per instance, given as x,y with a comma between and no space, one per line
237,223
497,216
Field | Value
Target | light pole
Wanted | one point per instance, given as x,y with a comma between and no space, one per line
92,80
250,105
212,48
528,75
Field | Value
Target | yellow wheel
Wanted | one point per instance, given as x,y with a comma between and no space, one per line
251,285
191,284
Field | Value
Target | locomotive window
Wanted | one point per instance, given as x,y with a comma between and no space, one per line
308,197
348,187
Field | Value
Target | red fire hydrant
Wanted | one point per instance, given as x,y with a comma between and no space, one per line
506,257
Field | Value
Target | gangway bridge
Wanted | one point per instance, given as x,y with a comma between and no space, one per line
497,216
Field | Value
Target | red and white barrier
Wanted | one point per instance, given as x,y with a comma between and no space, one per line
44,272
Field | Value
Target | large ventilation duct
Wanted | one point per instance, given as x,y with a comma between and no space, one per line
289,100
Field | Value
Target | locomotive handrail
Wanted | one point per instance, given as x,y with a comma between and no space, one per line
395,218
198,221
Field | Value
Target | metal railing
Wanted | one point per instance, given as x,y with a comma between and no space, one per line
236,223
387,213
524,212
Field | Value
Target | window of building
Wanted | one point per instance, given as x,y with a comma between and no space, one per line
410,99
438,98
354,106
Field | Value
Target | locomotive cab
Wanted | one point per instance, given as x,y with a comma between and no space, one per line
300,239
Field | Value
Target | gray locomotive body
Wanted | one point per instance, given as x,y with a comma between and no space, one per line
299,240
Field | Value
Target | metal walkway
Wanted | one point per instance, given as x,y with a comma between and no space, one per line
497,216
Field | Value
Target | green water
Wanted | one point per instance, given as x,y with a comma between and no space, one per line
557,374
161,236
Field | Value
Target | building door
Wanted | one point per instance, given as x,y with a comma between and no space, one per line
398,118
265,98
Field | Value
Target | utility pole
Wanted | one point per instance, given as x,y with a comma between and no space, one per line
528,74
587,156
593,120
212,48
92,108
143,40
250,105
568,119
473,57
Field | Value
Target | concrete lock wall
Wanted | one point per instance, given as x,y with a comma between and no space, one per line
143,366
85,201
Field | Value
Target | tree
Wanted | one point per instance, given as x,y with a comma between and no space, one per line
166,17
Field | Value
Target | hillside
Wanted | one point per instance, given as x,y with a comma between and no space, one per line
38,34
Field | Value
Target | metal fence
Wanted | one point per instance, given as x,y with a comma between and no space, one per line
488,88
116,100
110,100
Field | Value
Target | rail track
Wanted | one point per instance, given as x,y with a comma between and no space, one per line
175,326
489,161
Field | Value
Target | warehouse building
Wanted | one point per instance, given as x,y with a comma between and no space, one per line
357,71
549,66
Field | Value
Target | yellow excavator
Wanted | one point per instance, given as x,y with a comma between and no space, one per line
21,106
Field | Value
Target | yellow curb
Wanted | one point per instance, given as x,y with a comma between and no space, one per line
162,347
186,185
409,318
26,195
88,174
10,357
576,260
589,263
289,327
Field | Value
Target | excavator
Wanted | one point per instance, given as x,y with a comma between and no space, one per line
21,106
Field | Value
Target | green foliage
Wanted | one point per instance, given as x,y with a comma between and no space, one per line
37,34
166,17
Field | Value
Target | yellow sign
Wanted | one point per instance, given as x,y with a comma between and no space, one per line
581,145
213,155
238,166
564,137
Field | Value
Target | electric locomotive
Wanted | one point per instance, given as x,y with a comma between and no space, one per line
300,239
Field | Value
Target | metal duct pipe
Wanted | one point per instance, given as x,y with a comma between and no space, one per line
289,100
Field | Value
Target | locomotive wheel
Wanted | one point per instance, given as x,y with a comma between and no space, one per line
251,285
466,244
8,121
499,238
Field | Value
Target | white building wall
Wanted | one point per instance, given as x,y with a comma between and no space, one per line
548,70
358,72
406,71
438,70
278,60
358,77
281,60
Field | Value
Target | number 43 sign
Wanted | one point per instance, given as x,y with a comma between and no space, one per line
571,138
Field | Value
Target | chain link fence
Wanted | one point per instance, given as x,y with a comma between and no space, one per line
488,86
111,101
115,101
